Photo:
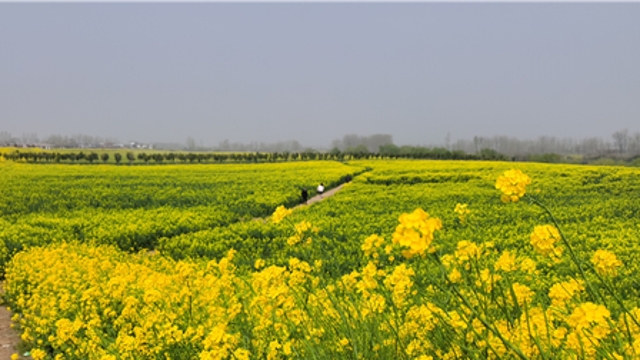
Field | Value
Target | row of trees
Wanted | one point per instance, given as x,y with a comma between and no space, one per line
388,151
622,143
624,146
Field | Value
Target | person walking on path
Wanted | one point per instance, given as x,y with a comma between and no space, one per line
320,189
305,195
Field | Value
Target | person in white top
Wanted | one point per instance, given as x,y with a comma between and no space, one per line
320,189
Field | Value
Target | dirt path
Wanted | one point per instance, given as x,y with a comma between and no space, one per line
9,338
311,201
318,198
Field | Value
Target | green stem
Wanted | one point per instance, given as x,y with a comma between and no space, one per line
469,306
569,248
577,262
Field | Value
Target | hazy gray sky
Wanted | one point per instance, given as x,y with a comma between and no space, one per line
314,72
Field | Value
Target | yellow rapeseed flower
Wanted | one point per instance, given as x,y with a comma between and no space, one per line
544,239
241,354
523,293
301,230
528,265
302,226
588,315
513,184
259,264
506,262
606,263
467,250
415,232
487,279
462,210
280,213
590,324
371,244
38,354
562,292
400,283
455,276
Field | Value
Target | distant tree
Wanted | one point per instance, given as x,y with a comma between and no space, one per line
118,158
191,144
389,149
358,151
144,157
80,156
130,157
634,144
489,154
5,137
158,158
459,155
92,156
621,140
545,158
104,157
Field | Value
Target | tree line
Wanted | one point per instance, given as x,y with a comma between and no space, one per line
387,152
623,144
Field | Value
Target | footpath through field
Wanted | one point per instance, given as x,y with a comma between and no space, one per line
9,338
325,195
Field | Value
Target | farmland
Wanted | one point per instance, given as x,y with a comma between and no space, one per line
412,259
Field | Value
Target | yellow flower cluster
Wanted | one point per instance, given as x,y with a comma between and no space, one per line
506,262
280,213
513,184
590,324
371,245
415,232
302,230
102,304
544,239
467,250
562,292
105,303
462,210
606,263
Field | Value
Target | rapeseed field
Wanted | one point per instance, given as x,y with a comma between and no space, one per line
411,260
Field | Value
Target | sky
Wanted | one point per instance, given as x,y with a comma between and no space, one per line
269,72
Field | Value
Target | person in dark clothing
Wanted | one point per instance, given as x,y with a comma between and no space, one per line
305,195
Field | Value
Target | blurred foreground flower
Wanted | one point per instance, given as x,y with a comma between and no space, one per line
280,213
